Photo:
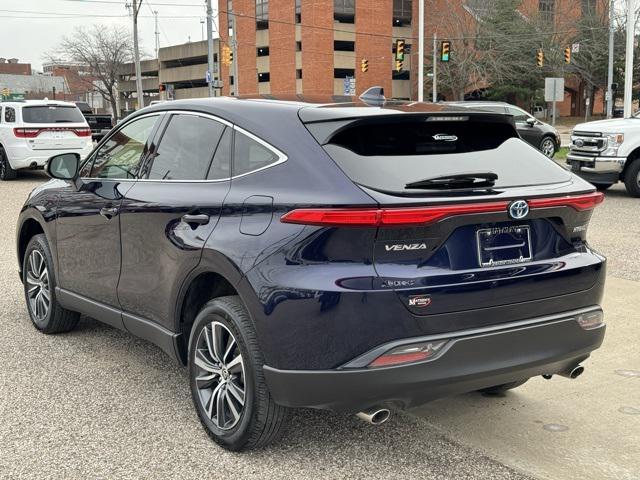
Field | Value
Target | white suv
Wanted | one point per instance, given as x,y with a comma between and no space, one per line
32,131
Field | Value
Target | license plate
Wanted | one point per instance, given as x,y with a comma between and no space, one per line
575,165
504,245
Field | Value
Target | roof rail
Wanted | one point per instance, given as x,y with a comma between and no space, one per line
373,96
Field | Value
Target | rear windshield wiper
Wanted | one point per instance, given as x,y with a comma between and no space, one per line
459,180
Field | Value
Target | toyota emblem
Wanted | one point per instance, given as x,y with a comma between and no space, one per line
518,209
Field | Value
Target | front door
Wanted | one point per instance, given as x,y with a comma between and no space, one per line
88,222
530,133
169,214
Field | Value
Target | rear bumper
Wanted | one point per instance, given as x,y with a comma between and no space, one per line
25,157
474,359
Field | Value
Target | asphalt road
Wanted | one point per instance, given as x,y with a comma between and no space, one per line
98,403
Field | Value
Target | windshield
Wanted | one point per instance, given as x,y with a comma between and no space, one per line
51,114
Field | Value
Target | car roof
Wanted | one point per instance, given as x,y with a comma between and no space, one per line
37,103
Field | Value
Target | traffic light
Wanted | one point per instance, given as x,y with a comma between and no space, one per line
398,65
227,55
445,49
567,55
364,65
400,50
540,58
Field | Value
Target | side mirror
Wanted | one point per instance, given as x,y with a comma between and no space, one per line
531,121
63,166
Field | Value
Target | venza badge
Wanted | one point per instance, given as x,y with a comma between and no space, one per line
445,137
518,209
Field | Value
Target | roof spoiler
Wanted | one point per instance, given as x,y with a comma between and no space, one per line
373,96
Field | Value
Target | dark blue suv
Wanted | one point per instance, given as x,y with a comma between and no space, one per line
350,257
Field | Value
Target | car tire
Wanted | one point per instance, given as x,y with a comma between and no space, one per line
39,280
6,170
500,389
601,187
245,417
548,147
632,179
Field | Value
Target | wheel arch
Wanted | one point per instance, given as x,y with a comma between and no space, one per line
29,228
633,157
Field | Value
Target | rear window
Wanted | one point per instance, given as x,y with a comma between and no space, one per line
51,114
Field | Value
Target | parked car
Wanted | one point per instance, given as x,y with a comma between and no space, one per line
605,152
541,135
31,131
346,257
99,124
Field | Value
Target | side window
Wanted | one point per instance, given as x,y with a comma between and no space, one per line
518,115
250,155
221,165
120,156
9,114
186,148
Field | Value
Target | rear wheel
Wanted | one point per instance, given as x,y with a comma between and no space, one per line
6,171
632,179
548,147
39,282
227,383
499,389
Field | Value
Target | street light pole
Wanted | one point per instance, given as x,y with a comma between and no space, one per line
136,53
628,67
210,47
610,70
421,51
435,68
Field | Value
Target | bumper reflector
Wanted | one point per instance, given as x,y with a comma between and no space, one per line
590,320
416,352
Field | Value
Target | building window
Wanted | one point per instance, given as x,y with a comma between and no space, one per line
588,8
547,10
262,51
231,80
402,12
299,74
298,11
401,75
298,46
344,11
343,72
262,14
263,77
344,46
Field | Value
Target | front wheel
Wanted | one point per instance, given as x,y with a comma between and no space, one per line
632,179
228,387
548,147
6,171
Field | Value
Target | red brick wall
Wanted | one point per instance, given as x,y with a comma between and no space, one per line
15,68
246,25
317,47
374,18
282,45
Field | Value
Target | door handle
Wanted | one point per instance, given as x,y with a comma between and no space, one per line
201,219
108,212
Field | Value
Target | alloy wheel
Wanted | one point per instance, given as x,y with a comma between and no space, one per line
548,147
220,375
37,284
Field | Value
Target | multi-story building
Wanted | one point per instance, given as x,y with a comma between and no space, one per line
12,66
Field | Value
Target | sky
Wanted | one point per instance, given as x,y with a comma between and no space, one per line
28,36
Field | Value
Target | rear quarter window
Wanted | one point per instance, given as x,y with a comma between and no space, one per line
52,114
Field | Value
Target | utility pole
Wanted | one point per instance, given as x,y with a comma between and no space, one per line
210,47
421,51
610,71
234,49
628,67
136,53
435,67
157,33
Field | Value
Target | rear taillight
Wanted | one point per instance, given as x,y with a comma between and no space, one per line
82,132
392,217
417,352
26,132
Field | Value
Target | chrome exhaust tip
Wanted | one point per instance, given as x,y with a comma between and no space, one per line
573,373
375,415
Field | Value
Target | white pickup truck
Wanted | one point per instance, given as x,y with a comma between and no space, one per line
607,151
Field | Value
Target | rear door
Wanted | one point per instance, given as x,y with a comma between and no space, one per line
168,215
53,127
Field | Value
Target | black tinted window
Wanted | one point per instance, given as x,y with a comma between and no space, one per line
221,165
186,148
9,114
51,114
250,155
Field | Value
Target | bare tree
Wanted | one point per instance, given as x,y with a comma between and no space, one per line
103,50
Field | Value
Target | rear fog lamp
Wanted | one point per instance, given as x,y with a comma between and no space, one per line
591,320
416,352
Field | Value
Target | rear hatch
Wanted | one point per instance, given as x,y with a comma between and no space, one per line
469,216
53,127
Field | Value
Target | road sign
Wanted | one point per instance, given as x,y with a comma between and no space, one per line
349,86
207,76
553,89
575,48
